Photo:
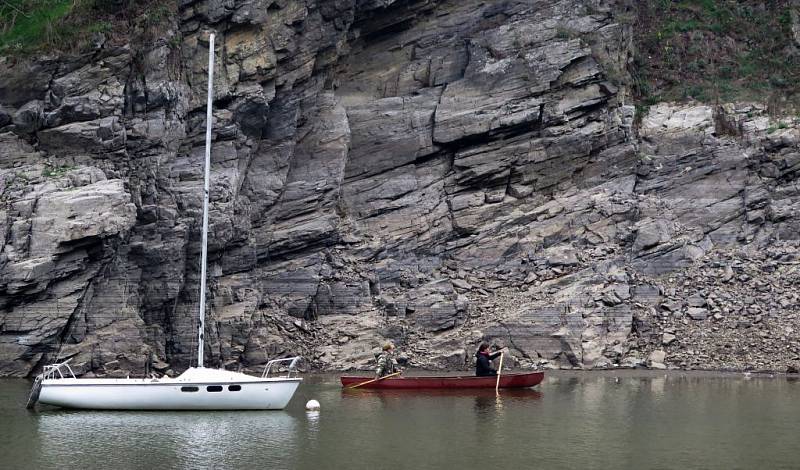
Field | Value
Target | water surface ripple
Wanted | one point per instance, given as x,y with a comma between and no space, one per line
632,420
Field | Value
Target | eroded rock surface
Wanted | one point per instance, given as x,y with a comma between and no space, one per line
436,173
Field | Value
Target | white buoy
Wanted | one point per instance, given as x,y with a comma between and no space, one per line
312,405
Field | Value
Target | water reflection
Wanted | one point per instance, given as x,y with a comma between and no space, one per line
487,403
583,420
657,386
524,393
186,439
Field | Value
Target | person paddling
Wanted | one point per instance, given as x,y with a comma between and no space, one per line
387,364
483,364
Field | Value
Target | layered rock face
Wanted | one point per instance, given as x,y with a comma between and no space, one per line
435,173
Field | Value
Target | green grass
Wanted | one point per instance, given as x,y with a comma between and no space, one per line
563,33
716,50
31,26
777,127
679,25
157,14
56,171
27,22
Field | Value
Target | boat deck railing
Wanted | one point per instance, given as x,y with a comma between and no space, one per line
60,368
292,369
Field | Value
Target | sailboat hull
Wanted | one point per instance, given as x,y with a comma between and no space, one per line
147,394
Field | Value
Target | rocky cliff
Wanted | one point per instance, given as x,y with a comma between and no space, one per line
435,173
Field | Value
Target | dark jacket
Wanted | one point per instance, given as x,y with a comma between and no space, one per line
483,366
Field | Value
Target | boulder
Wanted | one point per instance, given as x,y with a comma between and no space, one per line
29,117
61,219
656,359
632,361
696,300
696,313
5,116
651,234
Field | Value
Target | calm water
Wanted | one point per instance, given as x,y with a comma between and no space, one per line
571,421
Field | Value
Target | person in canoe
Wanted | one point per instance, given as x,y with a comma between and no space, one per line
483,361
387,364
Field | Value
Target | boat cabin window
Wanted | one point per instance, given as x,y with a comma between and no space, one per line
214,388
234,388
189,389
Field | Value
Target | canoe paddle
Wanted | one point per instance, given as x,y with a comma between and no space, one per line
375,380
499,371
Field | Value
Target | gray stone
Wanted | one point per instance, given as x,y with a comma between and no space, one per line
672,306
632,361
5,116
667,120
97,210
656,359
433,306
727,274
30,117
696,313
696,300
562,256
100,136
651,234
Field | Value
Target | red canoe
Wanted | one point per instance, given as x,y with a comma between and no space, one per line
528,379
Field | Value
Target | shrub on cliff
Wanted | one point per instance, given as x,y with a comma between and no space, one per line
31,26
717,50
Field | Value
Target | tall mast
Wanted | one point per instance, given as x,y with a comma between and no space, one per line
204,249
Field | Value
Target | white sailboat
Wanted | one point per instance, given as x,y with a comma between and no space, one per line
196,389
